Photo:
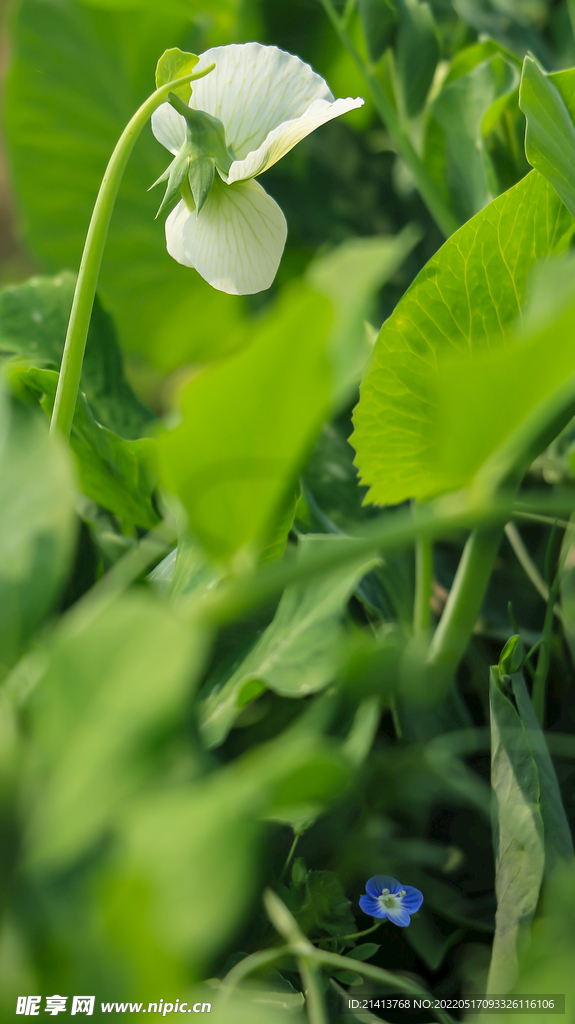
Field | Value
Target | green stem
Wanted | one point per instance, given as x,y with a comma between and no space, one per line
237,595
265,957
251,963
423,582
359,935
528,565
74,347
393,981
348,12
465,599
314,1001
539,694
290,855
571,11
427,188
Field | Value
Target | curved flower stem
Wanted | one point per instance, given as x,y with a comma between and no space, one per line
73,356
427,188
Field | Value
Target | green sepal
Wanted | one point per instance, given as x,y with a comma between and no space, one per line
201,178
206,134
175,175
174,64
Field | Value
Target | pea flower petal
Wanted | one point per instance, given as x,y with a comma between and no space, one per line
387,898
267,101
237,240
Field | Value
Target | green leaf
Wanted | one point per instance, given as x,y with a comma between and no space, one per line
196,847
112,472
174,64
547,963
558,839
378,21
467,297
37,529
33,321
96,68
430,944
418,51
550,135
322,905
350,276
363,952
518,833
112,686
506,406
247,424
466,109
197,844
348,977
297,653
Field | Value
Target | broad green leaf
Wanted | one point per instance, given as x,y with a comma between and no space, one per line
466,109
247,424
350,276
96,68
297,653
111,687
360,737
112,472
546,965
550,135
418,50
196,848
378,21
519,834
33,321
467,297
37,532
558,839
174,64
196,844
514,399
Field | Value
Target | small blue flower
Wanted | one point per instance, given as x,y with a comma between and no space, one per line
386,897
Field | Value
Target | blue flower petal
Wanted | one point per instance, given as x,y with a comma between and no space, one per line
371,906
412,900
399,916
378,883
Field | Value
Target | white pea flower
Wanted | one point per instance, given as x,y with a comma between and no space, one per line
262,102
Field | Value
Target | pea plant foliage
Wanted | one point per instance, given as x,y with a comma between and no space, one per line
287,487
